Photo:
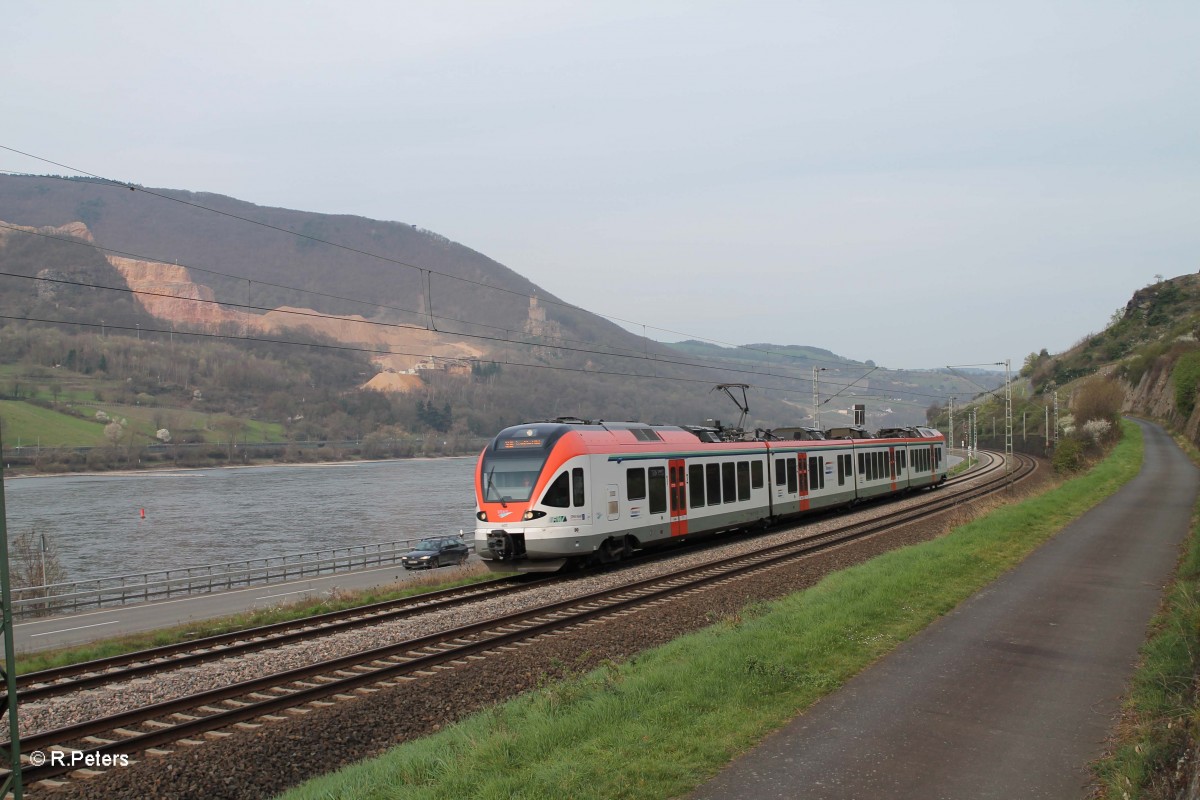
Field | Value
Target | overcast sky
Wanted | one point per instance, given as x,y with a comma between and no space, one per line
920,184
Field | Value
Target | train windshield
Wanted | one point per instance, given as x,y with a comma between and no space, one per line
510,479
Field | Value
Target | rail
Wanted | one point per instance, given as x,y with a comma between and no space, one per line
139,587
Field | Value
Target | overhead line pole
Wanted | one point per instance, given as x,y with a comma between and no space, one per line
1008,418
12,783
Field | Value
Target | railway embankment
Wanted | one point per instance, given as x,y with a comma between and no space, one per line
616,720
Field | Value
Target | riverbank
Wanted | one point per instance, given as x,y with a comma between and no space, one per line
167,469
29,461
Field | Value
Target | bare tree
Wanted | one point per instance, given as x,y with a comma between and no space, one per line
34,563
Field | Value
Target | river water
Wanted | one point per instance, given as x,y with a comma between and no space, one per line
211,516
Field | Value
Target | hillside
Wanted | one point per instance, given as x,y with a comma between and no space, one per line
1145,362
496,348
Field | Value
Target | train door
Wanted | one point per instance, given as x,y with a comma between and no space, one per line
677,481
891,457
677,487
802,461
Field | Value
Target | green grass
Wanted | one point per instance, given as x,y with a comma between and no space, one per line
35,662
32,425
1162,712
665,722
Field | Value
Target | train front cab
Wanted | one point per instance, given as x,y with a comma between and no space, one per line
533,499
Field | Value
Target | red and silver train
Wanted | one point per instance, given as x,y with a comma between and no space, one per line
573,491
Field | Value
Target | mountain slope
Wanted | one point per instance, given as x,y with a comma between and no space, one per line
543,358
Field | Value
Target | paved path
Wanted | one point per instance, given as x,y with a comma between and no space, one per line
73,629
1012,694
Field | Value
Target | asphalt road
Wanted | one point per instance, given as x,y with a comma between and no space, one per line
75,629
1012,694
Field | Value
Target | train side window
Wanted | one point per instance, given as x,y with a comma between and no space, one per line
841,471
658,490
696,485
862,470
743,480
780,472
756,474
577,492
713,473
635,483
793,482
559,493
820,472
814,472
728,483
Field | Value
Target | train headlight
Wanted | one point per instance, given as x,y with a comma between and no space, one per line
533,515
481,516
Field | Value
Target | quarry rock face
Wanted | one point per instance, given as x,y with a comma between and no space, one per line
168,292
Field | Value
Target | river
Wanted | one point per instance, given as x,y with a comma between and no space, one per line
208,516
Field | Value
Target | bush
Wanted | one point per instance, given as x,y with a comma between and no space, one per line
1068,455
1185,377
1098,398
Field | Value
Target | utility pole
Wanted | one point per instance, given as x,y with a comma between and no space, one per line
13,782
1008,417
817,395
1056,417
952,422
973,438
1047,428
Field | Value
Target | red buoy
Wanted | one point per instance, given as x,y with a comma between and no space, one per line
143,513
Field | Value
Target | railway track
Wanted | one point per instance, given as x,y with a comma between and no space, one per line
38,686
45,684
189,720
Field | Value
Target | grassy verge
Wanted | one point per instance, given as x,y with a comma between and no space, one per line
32,425
35,662
663,723
1162,711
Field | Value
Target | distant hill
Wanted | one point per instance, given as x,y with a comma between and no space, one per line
497,352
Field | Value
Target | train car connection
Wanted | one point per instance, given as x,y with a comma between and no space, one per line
578,491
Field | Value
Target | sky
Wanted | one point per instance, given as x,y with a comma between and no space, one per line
919,184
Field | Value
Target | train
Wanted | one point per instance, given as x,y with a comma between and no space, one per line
570,491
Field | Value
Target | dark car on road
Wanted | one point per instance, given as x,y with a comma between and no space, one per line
439,552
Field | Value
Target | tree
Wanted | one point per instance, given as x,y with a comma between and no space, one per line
1098,398
34,561
231,428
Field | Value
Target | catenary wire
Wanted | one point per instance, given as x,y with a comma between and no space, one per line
654,360
134,187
